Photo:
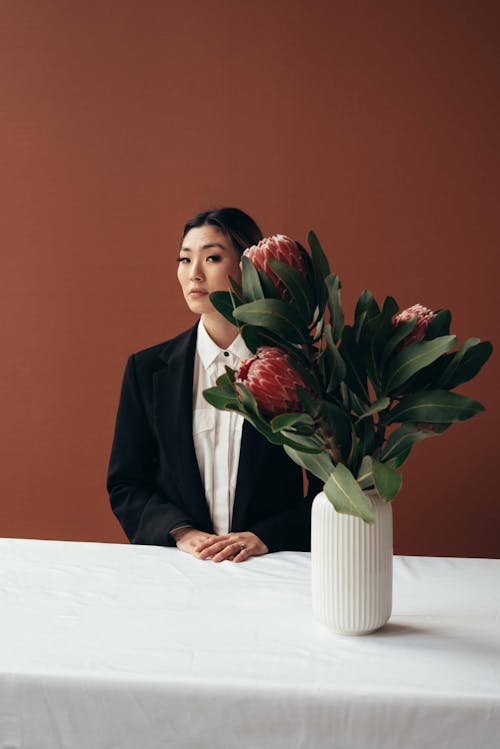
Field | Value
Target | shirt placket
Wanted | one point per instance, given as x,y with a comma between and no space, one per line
222,460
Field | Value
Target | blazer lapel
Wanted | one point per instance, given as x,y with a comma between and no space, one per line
173,396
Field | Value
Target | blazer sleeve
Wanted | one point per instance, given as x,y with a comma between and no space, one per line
290,529
145,513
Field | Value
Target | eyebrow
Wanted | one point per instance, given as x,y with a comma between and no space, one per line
209,246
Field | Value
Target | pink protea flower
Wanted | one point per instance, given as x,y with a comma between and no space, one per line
280,248
423,314
272,381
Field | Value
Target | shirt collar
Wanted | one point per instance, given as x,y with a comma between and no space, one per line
208,351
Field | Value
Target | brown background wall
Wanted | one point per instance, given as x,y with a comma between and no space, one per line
374,123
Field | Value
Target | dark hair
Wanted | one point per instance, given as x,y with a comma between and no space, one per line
235,224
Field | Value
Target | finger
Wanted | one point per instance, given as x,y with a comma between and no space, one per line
243,555
231,550
225,553
214,548
209,540
188,548
216,543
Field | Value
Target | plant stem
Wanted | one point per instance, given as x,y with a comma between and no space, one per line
328,438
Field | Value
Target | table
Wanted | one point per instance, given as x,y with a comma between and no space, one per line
109,646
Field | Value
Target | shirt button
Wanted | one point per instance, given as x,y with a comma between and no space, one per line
226,353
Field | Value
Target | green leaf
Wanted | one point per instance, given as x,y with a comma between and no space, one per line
399,459
319,464
227,378
224,395
378,405
250,405
256,336
355,375
334,305
269,289
337,368
439,325
302,429
357,405
374,337
340,426
356,453
321,270
346,495
426,378
402,440
277,316
358,327
285,421
305,371
319,326
387,480
310,404
414,358
250,411
237,291
435,407
223,303
221,396
365,430
346,397
454,362
308,443
400,333
466,363
365,473
298,287
252,288
373,473
366,308
296,441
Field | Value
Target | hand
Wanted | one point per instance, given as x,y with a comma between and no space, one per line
190,540
236,547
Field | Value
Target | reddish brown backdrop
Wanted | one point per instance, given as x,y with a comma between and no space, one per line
375,123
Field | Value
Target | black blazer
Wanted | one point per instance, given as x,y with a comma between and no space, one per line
153,480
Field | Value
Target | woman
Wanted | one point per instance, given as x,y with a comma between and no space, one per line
181,472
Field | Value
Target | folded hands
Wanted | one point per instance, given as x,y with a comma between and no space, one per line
234,547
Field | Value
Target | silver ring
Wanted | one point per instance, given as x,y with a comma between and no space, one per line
242,545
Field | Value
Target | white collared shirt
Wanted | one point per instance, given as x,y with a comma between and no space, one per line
216,434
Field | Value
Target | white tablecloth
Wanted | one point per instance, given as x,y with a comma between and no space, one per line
126,647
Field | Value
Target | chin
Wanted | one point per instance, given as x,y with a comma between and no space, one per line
199,306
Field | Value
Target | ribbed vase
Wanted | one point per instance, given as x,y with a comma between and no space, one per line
351,567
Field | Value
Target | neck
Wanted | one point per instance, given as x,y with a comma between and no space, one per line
220,330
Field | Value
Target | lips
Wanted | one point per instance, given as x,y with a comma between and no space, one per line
197,292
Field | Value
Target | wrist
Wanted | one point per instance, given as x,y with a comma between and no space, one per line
178,533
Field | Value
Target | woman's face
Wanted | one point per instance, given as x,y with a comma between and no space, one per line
206,260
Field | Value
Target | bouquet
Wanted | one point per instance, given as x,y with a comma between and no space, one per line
347,402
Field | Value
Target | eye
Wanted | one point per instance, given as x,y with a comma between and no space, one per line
214,259
183,260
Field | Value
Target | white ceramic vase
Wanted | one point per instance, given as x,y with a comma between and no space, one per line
351,567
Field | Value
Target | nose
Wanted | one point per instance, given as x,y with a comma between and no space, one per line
196,271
